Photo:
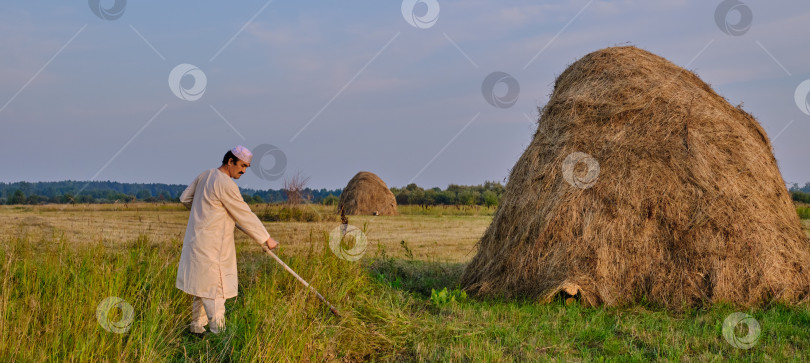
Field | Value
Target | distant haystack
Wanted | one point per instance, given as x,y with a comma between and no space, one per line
641,183
366,193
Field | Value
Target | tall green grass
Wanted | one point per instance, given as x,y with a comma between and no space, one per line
51,288
51,291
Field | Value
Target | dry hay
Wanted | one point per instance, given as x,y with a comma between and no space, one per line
366,193
684,204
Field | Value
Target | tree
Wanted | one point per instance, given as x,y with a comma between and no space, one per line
143,194
417,196
445,198
17,198
466,198
294,188
430,197
164,195
331,200
402,196
25,188
490,198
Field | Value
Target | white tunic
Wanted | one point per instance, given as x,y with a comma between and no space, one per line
208,262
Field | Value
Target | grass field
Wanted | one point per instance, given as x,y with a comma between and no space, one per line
58,263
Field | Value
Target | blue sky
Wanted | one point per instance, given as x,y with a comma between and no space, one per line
340,87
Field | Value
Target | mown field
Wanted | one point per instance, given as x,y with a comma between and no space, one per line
58,263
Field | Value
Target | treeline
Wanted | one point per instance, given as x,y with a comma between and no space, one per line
70,191
488,194
280,196
800,194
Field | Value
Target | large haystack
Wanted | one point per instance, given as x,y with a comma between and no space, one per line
366,193
681,204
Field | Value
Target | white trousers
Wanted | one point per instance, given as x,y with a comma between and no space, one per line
207,311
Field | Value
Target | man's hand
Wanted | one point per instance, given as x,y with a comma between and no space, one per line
271,243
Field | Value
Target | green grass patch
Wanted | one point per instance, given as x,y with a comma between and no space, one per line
392,310
804,212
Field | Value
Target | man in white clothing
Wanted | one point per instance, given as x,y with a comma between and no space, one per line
207,268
